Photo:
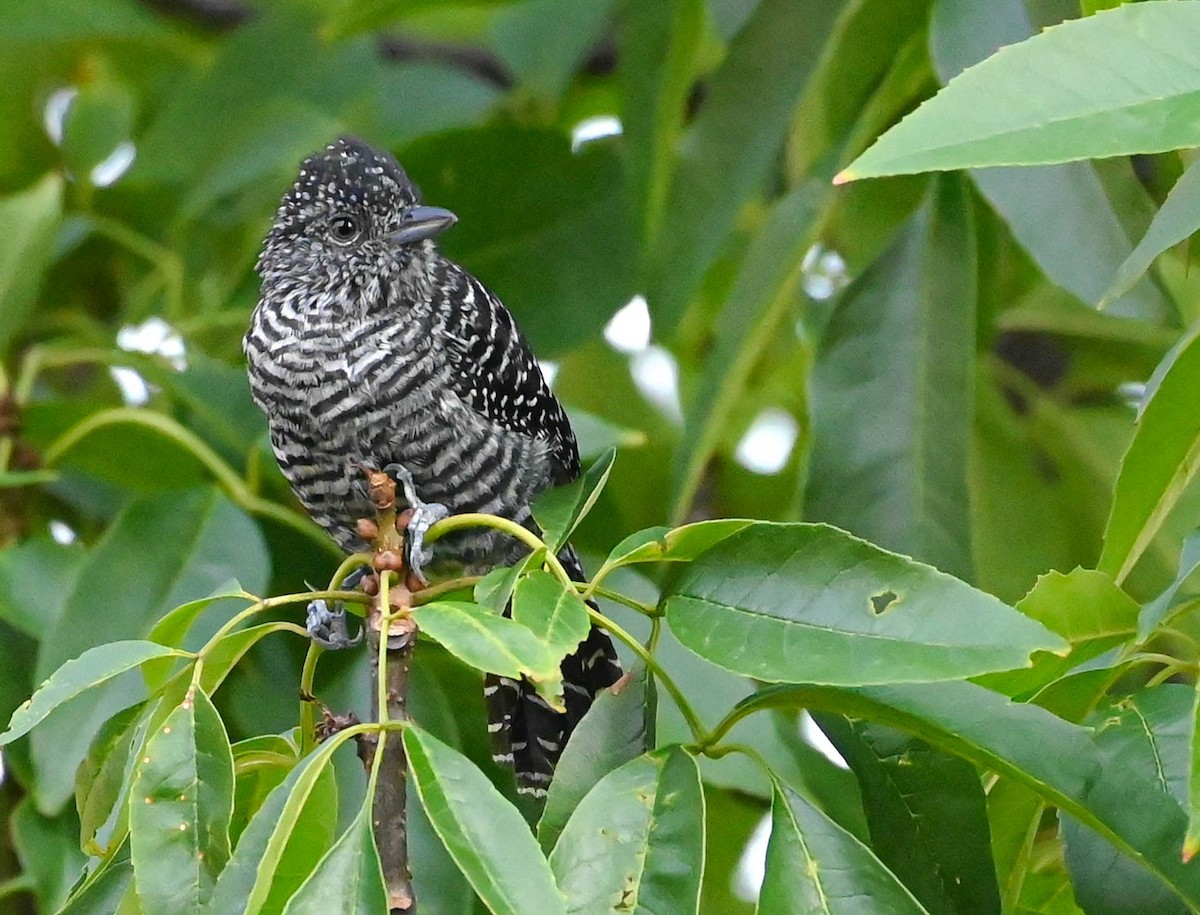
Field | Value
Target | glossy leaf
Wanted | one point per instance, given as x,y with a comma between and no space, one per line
48,854
104,773
810,603
551,610
283,841
617,728
1087,609
927,814
1062,215
665,544
495,589
484,834
1119,82
348,880
558,511
543,42
892,398
813,865
636,841
94,667
180,807
173,628
1059,760
1146,733
1158,465
492,643
28,221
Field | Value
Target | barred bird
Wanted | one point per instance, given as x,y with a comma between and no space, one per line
368,347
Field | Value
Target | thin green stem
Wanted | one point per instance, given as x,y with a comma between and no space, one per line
695,725
725,725
716,752
308,702
655,632
433,592
385,624
586,591
165,426
349,564
504,525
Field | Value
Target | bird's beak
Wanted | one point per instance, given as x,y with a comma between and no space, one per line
421,223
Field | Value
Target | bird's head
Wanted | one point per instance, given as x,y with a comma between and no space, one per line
351,218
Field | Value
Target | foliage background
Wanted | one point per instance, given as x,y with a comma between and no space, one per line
961,401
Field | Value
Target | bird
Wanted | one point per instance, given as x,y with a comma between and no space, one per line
369,348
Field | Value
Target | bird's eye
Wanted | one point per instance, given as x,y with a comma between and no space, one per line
344,229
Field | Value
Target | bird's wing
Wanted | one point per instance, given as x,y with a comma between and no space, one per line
499,376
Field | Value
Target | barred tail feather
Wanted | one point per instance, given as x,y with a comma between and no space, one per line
526,733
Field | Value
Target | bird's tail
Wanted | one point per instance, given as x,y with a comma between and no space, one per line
526,733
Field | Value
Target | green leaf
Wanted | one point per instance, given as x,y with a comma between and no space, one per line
35,578
809,603
495,589
173,628
1086,608
161,551
1162,458
1061,214
1116,83
552,611
761,298
1146,734
492,643
47,852
558,511
1179,594
732,142
226,653
484,834
657,43
283,842
891,430
617,728
103,895
927,814
28,222
93,667
665,544
543,41
814,865
348,880
103,776
538,223
180,807
1058,760
1175,221
636,842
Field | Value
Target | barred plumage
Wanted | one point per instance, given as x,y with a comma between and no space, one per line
369,347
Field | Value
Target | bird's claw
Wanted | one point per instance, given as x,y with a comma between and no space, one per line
328,627
424,516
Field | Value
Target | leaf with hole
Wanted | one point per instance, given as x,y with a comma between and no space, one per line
807,603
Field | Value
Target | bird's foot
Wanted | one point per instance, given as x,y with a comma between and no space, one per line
423,516
328,627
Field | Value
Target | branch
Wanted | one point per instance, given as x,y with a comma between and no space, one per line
390,662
